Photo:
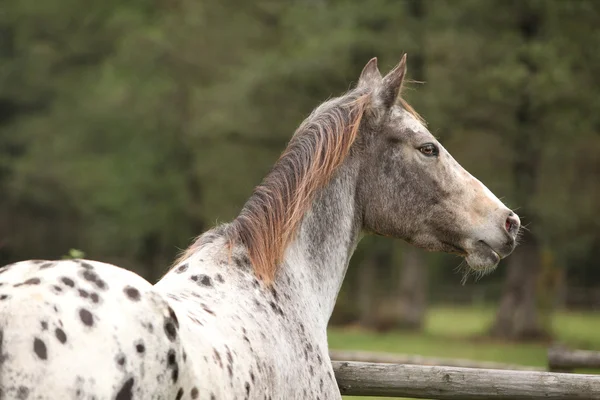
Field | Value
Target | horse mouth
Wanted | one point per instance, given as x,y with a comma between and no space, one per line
454,249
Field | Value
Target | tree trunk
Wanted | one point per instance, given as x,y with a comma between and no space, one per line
412,296
517,316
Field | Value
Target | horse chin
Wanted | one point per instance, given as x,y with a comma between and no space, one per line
483,261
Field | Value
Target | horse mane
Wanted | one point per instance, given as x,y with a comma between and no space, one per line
270,218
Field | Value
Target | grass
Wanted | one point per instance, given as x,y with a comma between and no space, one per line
459,333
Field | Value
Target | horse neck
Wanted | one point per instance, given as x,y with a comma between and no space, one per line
318,257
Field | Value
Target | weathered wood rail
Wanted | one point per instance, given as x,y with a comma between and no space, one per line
378,357
436,382
565,360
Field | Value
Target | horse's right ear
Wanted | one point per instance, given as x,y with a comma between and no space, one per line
370,75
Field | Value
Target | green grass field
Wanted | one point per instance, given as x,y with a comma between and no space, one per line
459,333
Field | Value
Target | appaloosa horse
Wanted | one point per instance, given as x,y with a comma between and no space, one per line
243,313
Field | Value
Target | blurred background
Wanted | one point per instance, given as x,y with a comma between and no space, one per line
127,128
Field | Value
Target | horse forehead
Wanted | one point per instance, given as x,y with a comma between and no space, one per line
407,121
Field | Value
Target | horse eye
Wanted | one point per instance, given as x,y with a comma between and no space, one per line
429,149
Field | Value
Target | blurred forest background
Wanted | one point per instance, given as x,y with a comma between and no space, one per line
127,128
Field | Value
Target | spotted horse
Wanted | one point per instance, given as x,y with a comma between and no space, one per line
243,313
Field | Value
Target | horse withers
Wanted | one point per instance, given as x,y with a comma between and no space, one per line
243,313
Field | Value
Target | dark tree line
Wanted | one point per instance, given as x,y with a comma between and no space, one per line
128,128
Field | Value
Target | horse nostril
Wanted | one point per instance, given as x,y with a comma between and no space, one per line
512,223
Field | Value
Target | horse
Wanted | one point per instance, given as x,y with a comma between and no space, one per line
243,312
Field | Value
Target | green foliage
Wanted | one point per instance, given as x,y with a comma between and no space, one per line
128,128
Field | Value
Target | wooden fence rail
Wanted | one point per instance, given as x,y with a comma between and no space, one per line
566,360
378,357
435,382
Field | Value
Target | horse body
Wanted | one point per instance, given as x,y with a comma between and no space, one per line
243,313
78,329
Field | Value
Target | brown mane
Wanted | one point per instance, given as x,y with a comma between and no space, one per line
271,216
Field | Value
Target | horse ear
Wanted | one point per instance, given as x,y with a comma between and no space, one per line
392,83
370,75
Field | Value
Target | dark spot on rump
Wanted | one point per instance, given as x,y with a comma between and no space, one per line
126,393
121,359
22,393
86,265
170,331
182,268
132,293
173,316
57,288
44,325
46,265
91,276
171,358
60,335
247,386
179,394
86,317
3,296
175,373
83,293
32,281
140,348
219,278
39,347
206,280
95,298
194,393
67,281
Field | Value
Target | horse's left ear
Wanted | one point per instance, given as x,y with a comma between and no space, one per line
370,75
392,83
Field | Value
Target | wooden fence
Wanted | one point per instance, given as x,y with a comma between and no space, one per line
397,375
453,383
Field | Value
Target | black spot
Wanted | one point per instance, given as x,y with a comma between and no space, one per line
171,358
206,280
121,360
95,298
67,281
86,265
208,310
140,348
252,376
194,393
274,293
276,308
126,391
23,393
182,268
173,316
175,374
32,281
46,265
219,278
3,296
93,277
194,278
170,331
60,335
247,386
57,288
179,394
44,325
39,347
86,317
132,293
83,293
